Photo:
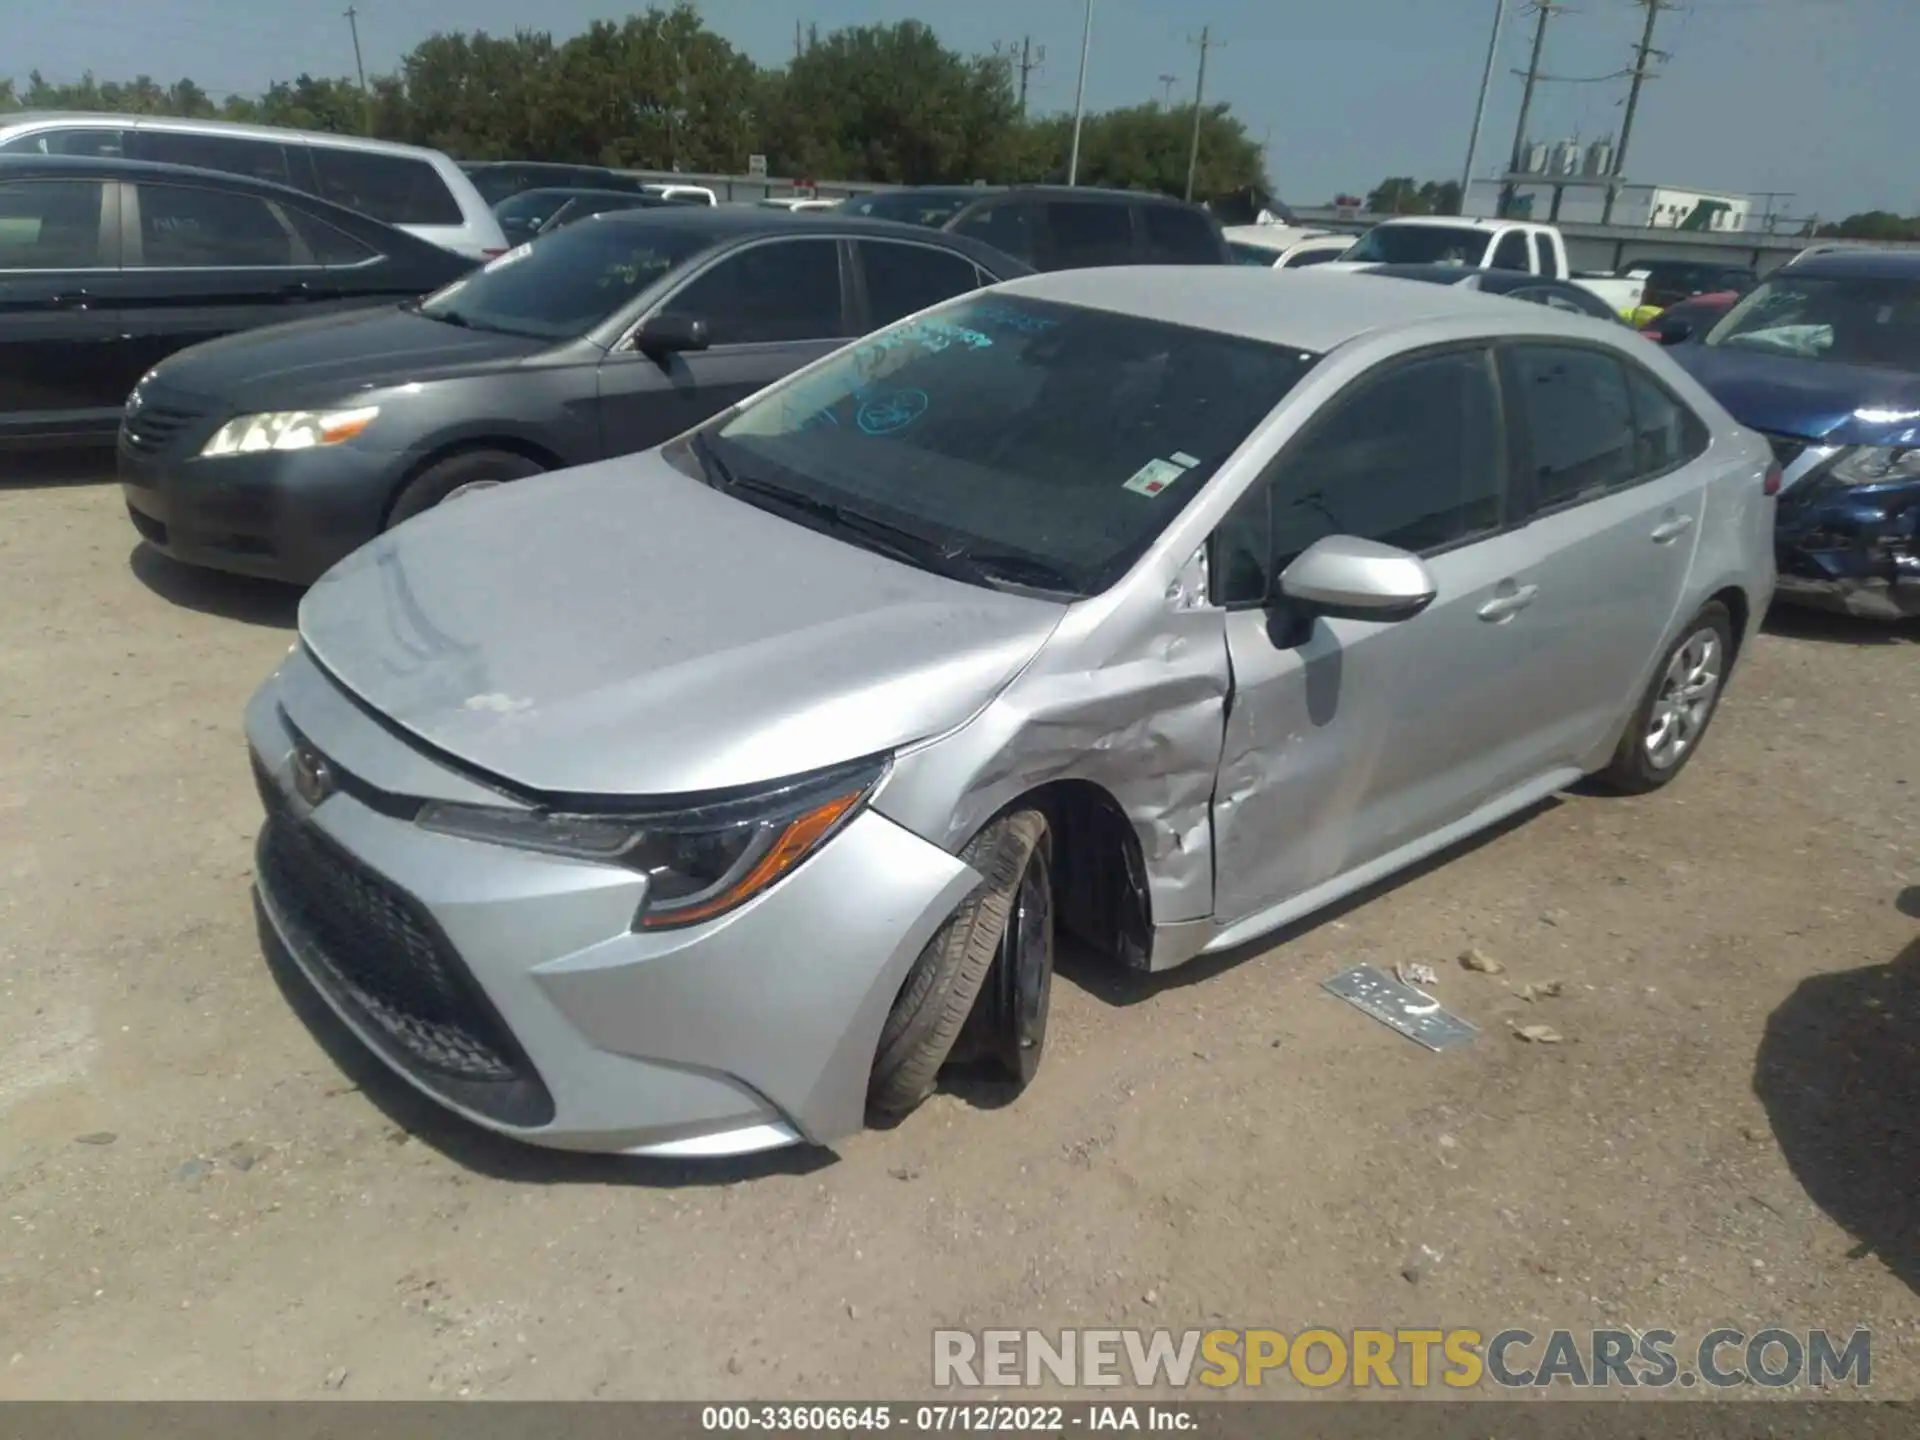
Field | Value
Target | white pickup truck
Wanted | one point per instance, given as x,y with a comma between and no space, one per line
1485,245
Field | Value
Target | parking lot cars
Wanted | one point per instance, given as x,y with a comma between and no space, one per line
1671,281
1284,247
421,191
1523,246
109,266
526,214
498,180
1688,320
1514,284
1059,227
1824,357
275,454
709,799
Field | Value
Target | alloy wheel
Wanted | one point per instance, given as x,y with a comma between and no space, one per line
1685,700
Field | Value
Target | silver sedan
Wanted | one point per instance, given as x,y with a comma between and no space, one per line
718,797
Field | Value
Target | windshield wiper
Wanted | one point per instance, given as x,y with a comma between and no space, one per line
1027,571
896,540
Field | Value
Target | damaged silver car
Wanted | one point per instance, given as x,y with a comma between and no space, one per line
715,798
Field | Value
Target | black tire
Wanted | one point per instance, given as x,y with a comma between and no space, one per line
1635,768
470,467
946,979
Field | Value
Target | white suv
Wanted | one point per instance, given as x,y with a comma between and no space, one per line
420,191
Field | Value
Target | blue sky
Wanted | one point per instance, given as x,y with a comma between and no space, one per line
1808,96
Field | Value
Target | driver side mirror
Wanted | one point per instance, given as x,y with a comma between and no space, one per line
1346,578
662,335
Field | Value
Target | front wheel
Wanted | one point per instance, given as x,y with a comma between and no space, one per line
459,475
1672,717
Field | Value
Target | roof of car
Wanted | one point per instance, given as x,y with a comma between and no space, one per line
108,167
89,119
1305,309
983,192
1492,281
1862,264
734,222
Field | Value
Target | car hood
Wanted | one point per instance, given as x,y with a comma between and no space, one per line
622,629
335,356
1814,399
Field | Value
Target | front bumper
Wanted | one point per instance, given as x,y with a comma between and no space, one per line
1855,550
512,988
287,515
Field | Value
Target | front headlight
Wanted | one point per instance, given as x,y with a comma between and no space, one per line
288,430
1877,464
699,862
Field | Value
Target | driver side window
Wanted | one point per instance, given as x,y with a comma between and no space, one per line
1412,455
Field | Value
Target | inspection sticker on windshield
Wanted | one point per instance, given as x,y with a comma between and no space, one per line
1154,476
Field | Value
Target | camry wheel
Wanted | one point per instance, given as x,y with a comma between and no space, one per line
1003,930
458,476
1679,705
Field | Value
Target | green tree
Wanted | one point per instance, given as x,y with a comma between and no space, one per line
1874,225
1145,147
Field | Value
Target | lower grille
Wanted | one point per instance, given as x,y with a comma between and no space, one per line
151,428
383,957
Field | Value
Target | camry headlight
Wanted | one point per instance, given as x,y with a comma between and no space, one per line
289,430
1877,464
701,861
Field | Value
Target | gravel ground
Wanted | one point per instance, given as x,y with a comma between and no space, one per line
205,1192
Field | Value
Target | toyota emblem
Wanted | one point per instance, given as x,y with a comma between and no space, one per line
312,777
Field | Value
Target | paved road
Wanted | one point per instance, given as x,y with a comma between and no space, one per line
1725,1135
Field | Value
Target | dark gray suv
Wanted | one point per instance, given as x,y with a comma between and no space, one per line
1059,227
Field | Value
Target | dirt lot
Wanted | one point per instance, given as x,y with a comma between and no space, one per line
203,1193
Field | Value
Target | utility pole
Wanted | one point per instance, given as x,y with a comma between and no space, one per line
1167,82
1645,52
1544,9
1199,98
1030,61
1480,108
353,24
1769,221
1080,97
797,47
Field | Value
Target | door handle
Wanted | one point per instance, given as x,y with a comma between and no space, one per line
1671,529
1505,607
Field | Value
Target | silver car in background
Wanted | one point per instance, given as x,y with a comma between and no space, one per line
714,798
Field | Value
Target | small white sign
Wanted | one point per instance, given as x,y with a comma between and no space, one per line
757,166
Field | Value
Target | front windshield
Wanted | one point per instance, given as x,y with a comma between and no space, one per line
1051,442
1856,320
563,284
909,208
1419,245
1245,254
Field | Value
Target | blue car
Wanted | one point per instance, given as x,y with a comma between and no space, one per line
1824,359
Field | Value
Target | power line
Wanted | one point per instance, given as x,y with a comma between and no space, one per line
1199,98
1644,52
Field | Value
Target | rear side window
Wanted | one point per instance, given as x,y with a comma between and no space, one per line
1087,233
1511,252
904,278
88,140
1578,419
1665,432
783,290
329,244
1312,257
1542,256
234,154
395,188
182,227
1179,236
50,225
1008,228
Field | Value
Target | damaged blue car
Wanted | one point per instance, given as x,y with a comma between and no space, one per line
1824,359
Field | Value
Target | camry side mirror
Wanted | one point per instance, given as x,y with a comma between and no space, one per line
664,335
1346,578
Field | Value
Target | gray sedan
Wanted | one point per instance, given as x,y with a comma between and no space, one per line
716,798
275,452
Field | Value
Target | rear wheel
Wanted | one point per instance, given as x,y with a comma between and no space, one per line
459,475
1672,717
1003,930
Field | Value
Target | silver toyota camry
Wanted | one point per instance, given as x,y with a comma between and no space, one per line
716,798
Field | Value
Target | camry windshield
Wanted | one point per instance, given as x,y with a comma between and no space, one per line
909,208
562,285
1008,440
1857,320
1419,245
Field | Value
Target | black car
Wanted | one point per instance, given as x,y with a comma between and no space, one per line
277,453
497,180
1671,281
1514,284
530,212
109,266
1059,227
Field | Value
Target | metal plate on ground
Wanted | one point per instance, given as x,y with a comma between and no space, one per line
1413,1013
